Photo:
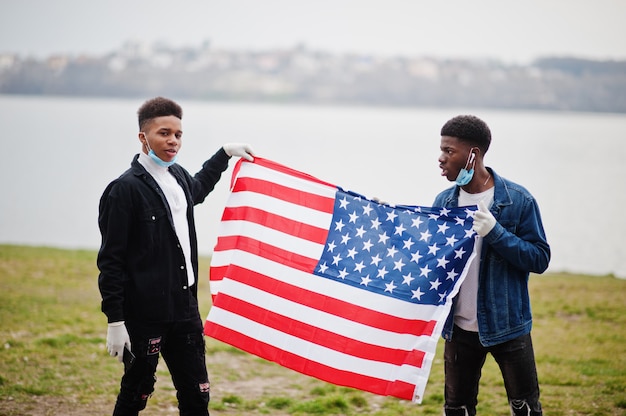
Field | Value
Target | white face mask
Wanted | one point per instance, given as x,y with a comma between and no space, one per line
157,159
465,176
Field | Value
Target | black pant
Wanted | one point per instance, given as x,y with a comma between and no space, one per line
182,346
464,357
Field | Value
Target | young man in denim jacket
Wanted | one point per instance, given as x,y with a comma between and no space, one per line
491,313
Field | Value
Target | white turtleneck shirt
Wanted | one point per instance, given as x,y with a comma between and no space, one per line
178,206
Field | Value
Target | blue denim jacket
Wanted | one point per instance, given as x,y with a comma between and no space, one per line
515,247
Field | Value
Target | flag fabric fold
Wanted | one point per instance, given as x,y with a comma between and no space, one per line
333,285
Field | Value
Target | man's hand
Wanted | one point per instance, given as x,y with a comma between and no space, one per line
239,149
484,221
377,200
117,338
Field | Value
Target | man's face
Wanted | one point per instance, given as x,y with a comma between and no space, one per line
164,136
453,158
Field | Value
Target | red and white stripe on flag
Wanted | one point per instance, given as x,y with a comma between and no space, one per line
267,300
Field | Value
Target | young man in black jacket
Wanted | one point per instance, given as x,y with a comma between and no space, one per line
148,262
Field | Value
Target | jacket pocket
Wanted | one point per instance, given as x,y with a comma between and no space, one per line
153,215
153,224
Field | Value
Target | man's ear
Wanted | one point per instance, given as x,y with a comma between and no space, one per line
472,157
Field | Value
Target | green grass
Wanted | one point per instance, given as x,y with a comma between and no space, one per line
53,358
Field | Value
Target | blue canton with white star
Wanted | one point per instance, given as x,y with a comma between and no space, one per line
415,254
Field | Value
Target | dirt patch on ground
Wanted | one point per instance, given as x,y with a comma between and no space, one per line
232,374
54,406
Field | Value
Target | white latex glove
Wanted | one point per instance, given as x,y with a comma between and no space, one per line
117,338
377,199
239,149
484,221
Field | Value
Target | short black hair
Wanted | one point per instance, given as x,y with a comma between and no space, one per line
469,129
157,107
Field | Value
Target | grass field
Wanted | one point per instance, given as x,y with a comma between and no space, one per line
53,359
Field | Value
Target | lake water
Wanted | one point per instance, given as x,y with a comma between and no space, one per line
60,153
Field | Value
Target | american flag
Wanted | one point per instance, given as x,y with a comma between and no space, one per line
331,284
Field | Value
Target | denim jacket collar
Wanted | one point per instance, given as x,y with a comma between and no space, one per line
501,195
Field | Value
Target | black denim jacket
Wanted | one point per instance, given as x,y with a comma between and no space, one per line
141,262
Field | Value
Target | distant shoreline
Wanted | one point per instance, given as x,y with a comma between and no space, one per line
301,75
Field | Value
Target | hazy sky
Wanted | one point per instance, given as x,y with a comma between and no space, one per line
514,31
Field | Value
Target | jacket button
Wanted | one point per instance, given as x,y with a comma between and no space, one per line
185,287
182,267
153,218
